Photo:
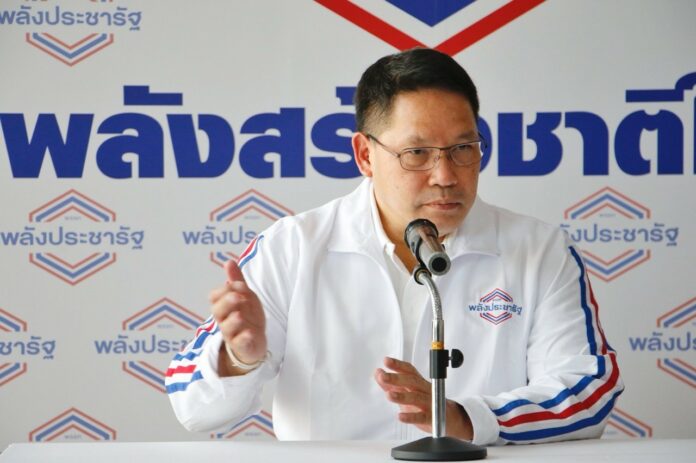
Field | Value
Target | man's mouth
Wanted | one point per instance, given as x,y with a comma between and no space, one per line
444,205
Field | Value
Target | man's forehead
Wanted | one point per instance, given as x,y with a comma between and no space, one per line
381,118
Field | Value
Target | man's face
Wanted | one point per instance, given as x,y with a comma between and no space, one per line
444,194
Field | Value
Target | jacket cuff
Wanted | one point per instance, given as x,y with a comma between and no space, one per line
223,386
483,421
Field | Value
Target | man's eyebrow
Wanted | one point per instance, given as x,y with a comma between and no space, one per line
469,135
417,140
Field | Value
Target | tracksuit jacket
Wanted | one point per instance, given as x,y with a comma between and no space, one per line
517,302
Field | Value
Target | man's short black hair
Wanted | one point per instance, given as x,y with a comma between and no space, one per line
411,70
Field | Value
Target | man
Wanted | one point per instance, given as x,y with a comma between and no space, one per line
325,301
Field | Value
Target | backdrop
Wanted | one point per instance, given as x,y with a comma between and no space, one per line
143,144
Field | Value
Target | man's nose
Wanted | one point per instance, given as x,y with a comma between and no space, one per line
443,174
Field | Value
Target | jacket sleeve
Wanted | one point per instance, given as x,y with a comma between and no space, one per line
203,401
573,377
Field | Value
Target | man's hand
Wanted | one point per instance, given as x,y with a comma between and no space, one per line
239,315
407,388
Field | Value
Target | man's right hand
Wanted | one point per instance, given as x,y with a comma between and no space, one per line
239,315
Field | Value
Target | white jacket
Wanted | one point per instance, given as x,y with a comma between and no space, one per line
516,302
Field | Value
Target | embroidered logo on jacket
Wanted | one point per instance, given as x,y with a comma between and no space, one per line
496,307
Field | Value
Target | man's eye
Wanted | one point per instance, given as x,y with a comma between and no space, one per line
416,152
463,148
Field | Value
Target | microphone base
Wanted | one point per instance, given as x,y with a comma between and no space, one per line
439,449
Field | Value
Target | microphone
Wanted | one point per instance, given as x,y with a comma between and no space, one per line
422,239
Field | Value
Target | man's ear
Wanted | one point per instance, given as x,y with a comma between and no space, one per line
361,152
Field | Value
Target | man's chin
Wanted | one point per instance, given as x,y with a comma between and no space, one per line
445,224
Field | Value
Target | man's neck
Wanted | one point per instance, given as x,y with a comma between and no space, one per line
405,256
400,248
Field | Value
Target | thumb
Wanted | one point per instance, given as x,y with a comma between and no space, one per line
234,273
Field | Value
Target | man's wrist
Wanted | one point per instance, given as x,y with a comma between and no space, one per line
227,366
237,363
461,426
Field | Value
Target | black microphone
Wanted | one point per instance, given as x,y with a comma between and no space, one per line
422,239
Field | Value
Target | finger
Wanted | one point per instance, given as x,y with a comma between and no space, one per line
239,287
239,305
227,304
245,341
232,326
235,324
386,386
247,346
217,293
400,366
419,400
223,306
413,382
234,273
247,303
418,418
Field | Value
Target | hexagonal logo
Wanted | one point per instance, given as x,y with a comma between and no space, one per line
255,427
148,340
235,224
73,237
78,30
10,370
615,233
19,346
622,425
72,425
671,342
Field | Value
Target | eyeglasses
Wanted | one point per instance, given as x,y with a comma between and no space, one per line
426,157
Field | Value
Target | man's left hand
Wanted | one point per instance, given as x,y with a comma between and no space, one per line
404,386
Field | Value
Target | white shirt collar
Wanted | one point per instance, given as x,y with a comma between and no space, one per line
385,243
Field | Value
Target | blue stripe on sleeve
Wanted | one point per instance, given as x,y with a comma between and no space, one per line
564,394
245,260
203,336
589,329
583,302
176,387
551,432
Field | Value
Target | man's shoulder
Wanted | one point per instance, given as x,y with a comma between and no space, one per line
521,227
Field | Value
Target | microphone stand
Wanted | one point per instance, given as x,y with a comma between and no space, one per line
438,447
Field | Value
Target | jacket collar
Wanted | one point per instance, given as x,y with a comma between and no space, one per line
356,231
353,229
477,234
